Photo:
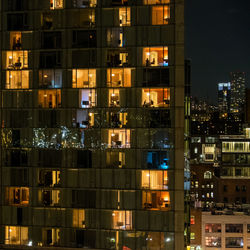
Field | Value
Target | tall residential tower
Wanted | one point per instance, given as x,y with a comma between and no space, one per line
92,124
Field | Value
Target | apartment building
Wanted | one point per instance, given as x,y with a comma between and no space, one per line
92,114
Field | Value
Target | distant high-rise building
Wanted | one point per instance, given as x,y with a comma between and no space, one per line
224,98
238,93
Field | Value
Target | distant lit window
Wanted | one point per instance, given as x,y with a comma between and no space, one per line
208,175
160,15
196,150
192,220
15,235
192,236
56,4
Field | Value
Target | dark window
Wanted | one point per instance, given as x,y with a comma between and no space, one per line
155,77
84,159
48,119
17,22
15,138
17,5
85,239
244,200
225,188
84,39
225,200
19,177
51,40
244,188
83,58
237,172
237,188
50,158
50,59
84,198
159,119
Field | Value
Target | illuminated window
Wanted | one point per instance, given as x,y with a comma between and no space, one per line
156,97
192,236
115,159
208,175
152,2
17,195
212,228
15,40
49,178
122,220
15,59
154,179
155,56
49,98
51,236
124,16
115,37
50,78
87,98
83,78
117,58
15,235
79,218
56,4
119,138
213,241
155,200
114,98
117,119
119,77
83,119
192,220
84,4
17,79
160,15
49,197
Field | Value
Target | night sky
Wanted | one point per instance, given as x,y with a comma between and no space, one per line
217,39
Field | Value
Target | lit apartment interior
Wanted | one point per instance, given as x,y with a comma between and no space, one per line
117,119
115,159
119,138
83,78
122,220
114,98
152,2
155,200
157,160
154,179
15,235
160,15
18,196
49,178
84,3
49,197
51,236
115,37
124,16
156,97
78,218
50,78
87,98
16,59
117,58
83,119
49,98
155,56
15,40
56,4
17,79
119,77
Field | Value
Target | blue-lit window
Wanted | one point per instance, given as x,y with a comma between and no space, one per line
157,160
